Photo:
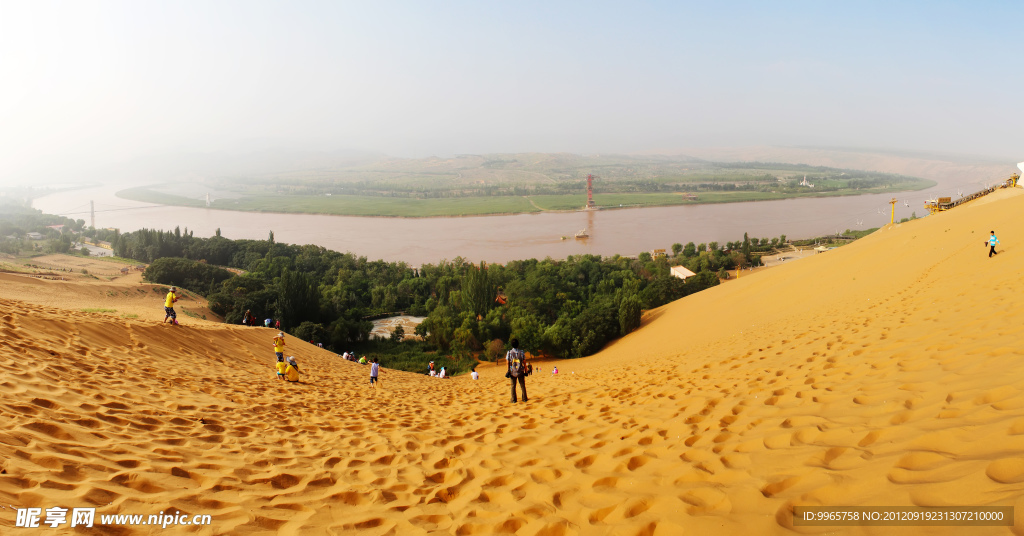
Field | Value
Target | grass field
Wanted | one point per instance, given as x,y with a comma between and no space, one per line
354,205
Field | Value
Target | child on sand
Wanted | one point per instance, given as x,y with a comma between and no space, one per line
441,375
281,367
292,372
374,371
169,306
554,371
279,345
992,241
475,374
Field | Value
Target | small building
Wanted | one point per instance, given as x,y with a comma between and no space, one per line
658,253
34,236
59,228
820,249
681,272
689,197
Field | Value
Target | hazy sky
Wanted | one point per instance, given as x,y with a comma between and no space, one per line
85,82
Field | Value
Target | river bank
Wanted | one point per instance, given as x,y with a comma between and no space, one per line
538,235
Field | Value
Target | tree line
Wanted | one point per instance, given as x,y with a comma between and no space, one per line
565,308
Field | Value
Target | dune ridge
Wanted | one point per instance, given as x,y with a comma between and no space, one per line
885,372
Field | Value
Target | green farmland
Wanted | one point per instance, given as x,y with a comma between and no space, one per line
516,184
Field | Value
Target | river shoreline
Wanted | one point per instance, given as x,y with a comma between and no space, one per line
540,210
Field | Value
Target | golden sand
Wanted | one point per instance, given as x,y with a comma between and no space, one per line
887,372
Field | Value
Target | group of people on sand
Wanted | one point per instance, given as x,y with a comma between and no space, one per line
351,356
249,319
518,367
434,373
287,371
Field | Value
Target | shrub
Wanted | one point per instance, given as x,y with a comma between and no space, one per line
199,277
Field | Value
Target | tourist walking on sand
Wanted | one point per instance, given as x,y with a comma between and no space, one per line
992,241
245,318
169,306
279,345
516,360
374,371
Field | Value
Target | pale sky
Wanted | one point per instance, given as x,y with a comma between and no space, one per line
85,83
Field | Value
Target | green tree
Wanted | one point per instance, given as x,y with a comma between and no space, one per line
310,331
298,299
629,314
495,350
677,248
528,329
477,294
690,250
398,334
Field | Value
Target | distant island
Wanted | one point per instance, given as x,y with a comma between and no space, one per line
470,185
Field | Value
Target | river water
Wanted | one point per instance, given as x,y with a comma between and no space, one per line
502,238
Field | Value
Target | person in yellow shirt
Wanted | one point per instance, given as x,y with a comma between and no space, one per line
279,345
292,372
169,306
281,367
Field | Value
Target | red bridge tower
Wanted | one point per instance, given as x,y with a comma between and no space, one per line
590,192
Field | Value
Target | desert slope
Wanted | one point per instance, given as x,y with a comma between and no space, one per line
886,372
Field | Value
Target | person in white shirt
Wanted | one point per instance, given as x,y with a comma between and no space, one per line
475,374
374,371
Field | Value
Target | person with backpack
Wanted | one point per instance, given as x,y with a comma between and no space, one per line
516,360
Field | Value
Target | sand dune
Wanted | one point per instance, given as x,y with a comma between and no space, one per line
886,372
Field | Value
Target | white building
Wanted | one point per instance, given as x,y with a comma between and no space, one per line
681,272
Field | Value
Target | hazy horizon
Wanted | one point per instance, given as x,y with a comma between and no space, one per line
90,85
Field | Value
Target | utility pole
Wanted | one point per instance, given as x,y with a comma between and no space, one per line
92,213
